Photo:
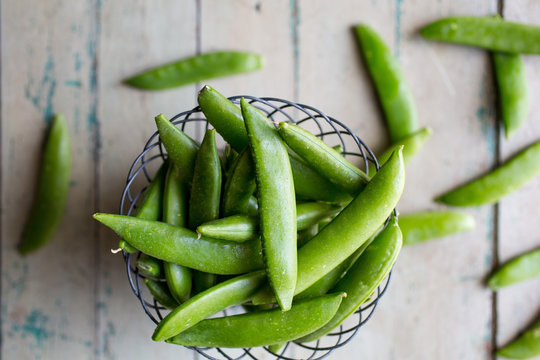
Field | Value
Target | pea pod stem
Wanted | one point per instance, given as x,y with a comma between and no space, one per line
52,190
195,69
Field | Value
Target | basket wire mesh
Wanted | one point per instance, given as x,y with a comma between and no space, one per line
327,128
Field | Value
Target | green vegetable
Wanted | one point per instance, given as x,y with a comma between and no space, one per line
195,69
491,187
160,292
149,266
239,186
277,206
423,226
52,191
364,277
486,32
304,236
261,328
524,347
395,97
523,267
322,158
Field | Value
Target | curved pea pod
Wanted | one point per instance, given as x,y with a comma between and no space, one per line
423,226
231,292
411,146
228,158
175,213
261,328
197,68
304,236
182,149
351,228
52,191
277,204
505,179
206,186
227,119
322,158
512,86
181,246
203,281
242,228
486,32
521,268
239,186
364,277
160,292
525,346
394,94
149,266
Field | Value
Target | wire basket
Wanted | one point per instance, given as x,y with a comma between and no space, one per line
332,132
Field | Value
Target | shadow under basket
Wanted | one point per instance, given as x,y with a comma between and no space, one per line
193,121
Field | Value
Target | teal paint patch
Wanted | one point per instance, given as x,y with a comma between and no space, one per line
41,95
17,282
73,83
34,327
488,258
108,291
294,22
485,116
397,27
77,63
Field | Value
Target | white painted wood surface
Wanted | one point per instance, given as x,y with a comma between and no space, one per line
72,299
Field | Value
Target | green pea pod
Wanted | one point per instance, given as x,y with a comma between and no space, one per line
411,145
239,186
521,268
261,328
181,148
195,69
351,228
491,187
394,94
53,186
227,119
512,86
274,348
242,228
423,226
525,346
149,266
206,187
231,292
160,292
277,205
364,277
228,158
175,213
304,236
203,281
490,33
181,246
322,158
253,205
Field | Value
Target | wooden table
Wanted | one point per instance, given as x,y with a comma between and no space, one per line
71,300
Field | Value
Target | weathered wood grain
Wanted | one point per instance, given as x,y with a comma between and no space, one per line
48,296
519,229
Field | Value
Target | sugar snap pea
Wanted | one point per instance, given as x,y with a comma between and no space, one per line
351,228
253,205
149,266
239,186
231,292
411,145
364,276
227,119
242,228
422,226
182,149
182,246
304,236
197,68
53,186
395,97
175,213
512,86
274,348
521,268
525,346
277,205
493,186
203,281
486,32
261,328
161,293
322,158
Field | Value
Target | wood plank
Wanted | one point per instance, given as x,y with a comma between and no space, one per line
47,297
518,231
436,306
135,35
